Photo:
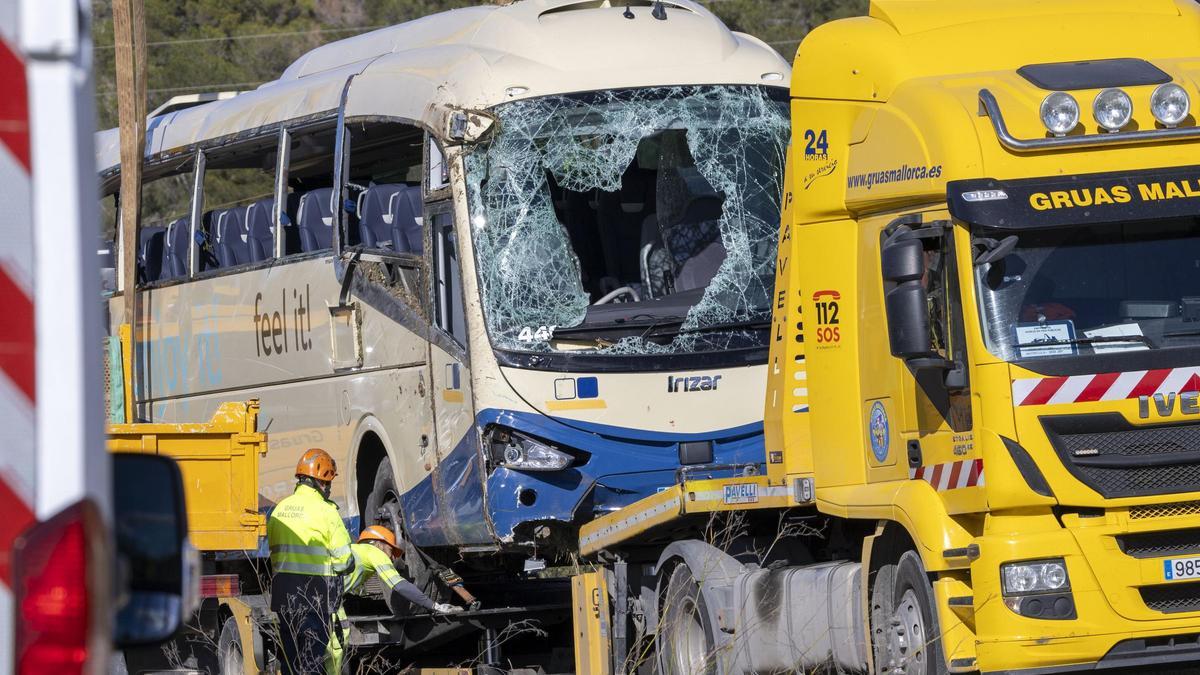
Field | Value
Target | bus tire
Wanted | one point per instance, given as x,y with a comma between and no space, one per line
685,644
230,657
905,638
383,508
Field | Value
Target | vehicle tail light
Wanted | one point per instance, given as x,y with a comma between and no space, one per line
220,586
54,584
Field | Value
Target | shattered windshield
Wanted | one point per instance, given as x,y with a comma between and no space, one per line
630,222
1092,289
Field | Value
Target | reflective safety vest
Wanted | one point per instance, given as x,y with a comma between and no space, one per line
369,560
306,536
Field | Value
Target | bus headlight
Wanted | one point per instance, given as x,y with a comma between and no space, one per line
1170,104
518,451
1060,113
1113,109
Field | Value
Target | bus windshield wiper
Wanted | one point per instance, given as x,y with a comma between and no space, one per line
735,325
618,324
1099,339
1183,333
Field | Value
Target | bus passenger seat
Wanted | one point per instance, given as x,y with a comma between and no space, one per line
150,253
408,220
315,220
231,240
260,230
175,255
377,213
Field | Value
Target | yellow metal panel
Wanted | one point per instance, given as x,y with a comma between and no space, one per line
219,461
593,647
631,520
956,624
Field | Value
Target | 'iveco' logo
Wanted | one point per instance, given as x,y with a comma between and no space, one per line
692,383
1164,405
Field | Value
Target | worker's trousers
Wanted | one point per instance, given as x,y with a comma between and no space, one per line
305,606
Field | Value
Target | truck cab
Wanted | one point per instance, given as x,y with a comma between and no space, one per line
987,325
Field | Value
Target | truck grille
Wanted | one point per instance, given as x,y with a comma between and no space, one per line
1118,459
1172,598
1160,544
1164,510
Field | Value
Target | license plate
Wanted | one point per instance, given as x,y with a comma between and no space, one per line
741,493
1180,568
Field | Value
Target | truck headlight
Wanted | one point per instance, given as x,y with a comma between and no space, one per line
1042,576
1113,109
1038,589
1060,113
1170,104
518,451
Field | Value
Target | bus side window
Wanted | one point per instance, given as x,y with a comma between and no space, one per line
107,246
163,236
447,278
383,187
437,177
238,225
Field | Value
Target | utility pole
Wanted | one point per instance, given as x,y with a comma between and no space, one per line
129,32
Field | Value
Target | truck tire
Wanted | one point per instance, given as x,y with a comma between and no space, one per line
685,643
383,508
229,649
904,631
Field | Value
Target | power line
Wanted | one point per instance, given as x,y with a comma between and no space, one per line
256,36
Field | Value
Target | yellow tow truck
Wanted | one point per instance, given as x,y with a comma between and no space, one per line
982,415
219,461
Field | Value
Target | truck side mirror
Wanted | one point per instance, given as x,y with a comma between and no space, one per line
156,564
902,260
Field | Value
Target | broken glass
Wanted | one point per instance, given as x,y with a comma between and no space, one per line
630,222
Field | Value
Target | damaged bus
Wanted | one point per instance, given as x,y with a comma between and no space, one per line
512,266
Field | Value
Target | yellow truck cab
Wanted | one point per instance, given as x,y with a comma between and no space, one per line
988,322
982,421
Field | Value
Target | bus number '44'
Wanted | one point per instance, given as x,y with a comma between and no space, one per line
542,334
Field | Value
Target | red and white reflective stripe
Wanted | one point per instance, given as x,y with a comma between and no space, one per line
951,475
1105,386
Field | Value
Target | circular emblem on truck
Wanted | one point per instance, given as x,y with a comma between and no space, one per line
880,433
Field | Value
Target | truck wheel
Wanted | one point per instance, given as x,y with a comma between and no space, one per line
685,643
383,508
229,649
904,631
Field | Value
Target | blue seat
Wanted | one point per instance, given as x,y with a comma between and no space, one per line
260,229
230,237
176,254
314,219
150,254
377,215
406,224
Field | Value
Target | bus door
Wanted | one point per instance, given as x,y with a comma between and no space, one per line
457,478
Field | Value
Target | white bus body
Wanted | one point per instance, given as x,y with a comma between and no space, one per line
428,300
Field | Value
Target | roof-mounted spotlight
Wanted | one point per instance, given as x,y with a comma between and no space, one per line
1060,113
1113,109
1170,104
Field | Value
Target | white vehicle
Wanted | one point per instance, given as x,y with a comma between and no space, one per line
63,603
511,266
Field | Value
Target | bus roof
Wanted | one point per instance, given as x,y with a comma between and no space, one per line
478,57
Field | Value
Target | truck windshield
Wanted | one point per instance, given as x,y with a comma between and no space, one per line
1092,289
630,222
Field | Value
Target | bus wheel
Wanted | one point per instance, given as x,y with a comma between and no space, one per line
229,649
904,632
685,643
383,508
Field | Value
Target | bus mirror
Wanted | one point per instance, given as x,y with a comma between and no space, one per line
155,563
469,126
908,321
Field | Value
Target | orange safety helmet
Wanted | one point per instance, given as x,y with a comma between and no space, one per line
316,463
380,533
